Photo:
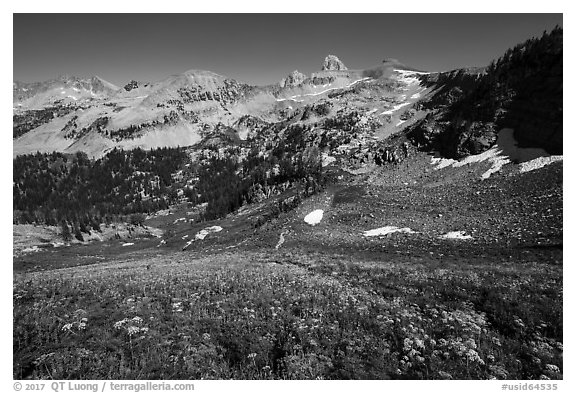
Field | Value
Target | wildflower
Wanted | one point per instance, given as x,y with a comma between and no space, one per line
559,346
470,343
67,327
418,343
552,368
544,377
252,356
132,330
206,337
407,344
119,324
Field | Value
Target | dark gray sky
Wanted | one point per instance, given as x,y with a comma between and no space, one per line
257,48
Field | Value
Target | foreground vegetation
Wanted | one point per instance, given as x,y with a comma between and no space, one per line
289,315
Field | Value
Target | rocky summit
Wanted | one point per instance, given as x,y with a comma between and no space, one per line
333,63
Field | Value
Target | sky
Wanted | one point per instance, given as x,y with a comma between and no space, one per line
257,48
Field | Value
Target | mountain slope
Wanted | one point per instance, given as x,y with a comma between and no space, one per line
181,109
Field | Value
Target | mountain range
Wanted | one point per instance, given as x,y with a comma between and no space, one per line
71,114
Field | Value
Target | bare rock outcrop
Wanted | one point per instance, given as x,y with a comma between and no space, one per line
295,78
333,63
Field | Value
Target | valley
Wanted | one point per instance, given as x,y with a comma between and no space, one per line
383,223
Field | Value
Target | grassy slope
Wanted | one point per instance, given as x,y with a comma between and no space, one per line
290,316
329,303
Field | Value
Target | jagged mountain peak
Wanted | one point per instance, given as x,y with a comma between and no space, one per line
294,78
333,63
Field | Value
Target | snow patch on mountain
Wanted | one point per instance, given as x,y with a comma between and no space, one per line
294,97
504,152
458,235
395,108
538,163
314,217
383,231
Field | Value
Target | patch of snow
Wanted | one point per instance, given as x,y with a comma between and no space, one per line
395,108
458,235
314,217
493,155
206,231
31,249
184,237
289,99
176,221
400,122
442,162
383,231
408,72
497,163
293,98
488,154
502,153
127,244
417,95
74,98
538,163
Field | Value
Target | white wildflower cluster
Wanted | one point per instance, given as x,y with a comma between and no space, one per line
466,349
177,307
250,311
552,368
131,326
75,326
